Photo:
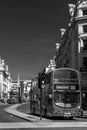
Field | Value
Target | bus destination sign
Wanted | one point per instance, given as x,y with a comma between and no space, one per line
65,87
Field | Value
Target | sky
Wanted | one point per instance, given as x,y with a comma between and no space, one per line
28,33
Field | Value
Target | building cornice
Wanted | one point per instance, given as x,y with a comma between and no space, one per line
81,5
83,35
81,18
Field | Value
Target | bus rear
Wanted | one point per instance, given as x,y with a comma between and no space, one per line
66,93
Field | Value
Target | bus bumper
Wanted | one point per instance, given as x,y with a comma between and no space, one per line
67,114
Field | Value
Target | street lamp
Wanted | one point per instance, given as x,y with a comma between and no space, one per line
18,89
41,78
41,99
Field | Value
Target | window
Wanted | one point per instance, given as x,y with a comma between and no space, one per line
85,62
85,44
85,28
66,99
65,73
85,12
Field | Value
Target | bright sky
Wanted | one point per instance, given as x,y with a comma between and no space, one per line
28,33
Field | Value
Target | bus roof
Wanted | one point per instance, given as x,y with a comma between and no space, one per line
62,69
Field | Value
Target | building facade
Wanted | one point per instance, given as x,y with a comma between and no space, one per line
5,80
27,86
71,51
14,92
20,90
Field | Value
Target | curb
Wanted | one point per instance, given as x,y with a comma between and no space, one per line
31,118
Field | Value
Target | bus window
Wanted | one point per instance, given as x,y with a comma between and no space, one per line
65,74
66,99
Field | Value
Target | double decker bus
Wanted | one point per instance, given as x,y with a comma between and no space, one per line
61,94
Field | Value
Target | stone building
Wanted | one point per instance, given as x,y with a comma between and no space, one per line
14,92
27,86
20,90
5,80
71,51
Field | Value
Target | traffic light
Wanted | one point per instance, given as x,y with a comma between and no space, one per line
41,79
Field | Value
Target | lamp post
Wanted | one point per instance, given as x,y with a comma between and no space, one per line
41,78
18,89
41,99
18,94
41,103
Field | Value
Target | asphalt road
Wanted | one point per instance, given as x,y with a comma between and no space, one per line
4,117
49,129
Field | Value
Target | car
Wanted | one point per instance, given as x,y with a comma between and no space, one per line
11,101
2,100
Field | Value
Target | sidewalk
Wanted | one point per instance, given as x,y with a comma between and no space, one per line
13,111
24,108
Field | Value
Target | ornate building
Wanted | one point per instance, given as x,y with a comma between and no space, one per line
20,90
71,51
5,80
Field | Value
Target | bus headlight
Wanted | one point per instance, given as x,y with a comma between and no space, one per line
78,107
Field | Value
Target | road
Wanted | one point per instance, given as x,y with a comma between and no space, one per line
50,129
44,126
9,122
4,117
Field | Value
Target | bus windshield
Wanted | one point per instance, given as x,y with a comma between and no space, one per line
66,99
65,74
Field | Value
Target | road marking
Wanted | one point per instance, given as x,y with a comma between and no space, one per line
42,125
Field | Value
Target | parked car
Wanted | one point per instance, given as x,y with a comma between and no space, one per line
11,101
2,100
